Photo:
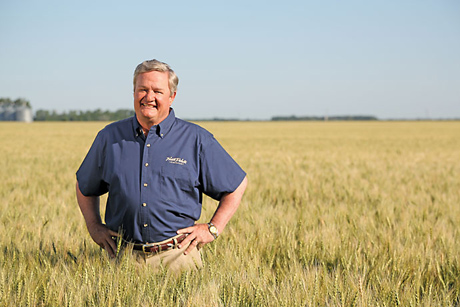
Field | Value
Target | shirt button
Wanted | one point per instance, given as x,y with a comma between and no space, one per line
146,164
145,184
144,204
145,225
148,145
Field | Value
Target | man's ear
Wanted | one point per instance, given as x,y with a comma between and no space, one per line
171,98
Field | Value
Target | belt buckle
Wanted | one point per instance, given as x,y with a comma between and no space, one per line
147,245
160,247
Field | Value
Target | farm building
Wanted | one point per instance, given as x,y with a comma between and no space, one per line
17,110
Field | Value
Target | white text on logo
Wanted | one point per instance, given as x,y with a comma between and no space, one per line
176,160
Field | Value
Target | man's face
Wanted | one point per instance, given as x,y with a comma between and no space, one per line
152,98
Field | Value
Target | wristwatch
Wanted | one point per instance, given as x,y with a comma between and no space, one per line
213,230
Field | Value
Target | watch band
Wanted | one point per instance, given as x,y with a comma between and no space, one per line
213,230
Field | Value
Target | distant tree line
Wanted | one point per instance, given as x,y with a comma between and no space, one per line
95,115
323,118
214,119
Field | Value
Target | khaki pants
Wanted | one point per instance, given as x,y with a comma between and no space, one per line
174,259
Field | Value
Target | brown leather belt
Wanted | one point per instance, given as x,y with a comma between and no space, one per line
159,247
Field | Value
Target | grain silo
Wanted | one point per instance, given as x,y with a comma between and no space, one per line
9,113
23,114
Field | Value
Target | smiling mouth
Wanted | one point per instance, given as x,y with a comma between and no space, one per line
148,105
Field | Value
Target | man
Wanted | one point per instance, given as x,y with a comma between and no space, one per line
155,168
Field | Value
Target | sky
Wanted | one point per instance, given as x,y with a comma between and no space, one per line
238,59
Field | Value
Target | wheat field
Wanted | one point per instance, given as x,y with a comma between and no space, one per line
335,214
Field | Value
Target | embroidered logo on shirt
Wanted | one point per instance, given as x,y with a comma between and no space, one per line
176,160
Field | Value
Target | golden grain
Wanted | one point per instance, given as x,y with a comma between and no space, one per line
336,214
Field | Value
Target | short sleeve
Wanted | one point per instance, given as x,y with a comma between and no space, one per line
220,174
90,174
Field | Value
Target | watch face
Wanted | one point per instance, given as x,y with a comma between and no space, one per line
213,229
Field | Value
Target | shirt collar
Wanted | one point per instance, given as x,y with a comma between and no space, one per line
137,128
161,129
165,126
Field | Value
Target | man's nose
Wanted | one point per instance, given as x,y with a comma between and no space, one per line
150,96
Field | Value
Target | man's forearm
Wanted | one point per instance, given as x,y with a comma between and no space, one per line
89,206
199,234
228,206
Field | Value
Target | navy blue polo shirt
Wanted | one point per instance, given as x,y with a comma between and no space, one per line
156,183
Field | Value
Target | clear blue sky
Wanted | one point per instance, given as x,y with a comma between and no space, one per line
238,59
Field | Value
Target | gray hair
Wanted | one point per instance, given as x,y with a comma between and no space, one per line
155,65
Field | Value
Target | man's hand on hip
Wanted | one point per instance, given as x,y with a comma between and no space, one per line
102,235
198,235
